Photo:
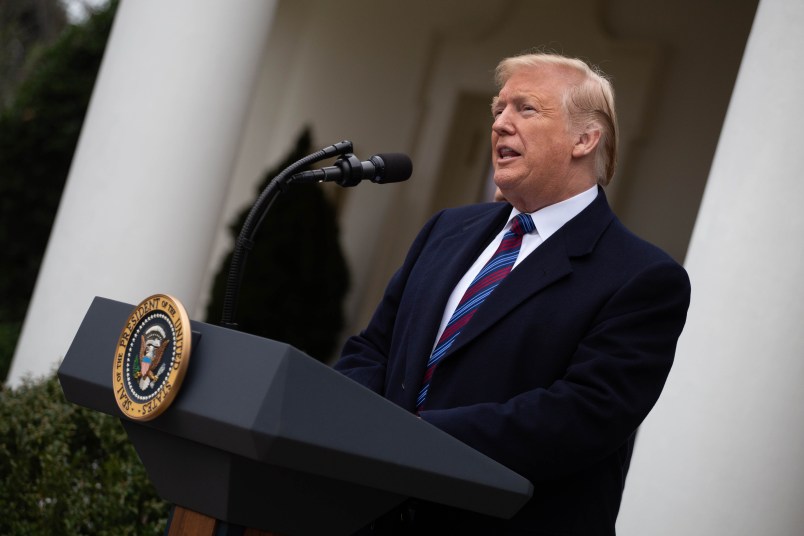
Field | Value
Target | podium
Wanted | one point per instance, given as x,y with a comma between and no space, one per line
263,436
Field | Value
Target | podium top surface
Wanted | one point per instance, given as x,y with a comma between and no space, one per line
267,401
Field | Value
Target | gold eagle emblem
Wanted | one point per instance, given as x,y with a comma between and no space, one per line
153,344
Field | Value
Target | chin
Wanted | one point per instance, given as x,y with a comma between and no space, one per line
502,182
506,186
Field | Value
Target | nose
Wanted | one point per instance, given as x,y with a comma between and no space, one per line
502,123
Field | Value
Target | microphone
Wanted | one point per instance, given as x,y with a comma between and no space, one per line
350,171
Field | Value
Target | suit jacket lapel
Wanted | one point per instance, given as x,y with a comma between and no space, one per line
456,253
549,263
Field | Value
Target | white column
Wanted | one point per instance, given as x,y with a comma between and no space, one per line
723,451
151,170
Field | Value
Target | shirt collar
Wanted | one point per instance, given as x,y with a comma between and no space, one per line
551,218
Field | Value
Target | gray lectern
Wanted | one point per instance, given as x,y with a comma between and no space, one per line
261,435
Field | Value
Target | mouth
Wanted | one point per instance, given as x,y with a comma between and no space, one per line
506,153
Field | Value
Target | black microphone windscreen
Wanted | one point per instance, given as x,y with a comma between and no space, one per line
397,167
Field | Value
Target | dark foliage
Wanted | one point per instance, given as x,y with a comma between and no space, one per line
25,27
38,135
69,470
295,276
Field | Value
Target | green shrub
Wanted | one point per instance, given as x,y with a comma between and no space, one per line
38,134
69,470
295,276
9,333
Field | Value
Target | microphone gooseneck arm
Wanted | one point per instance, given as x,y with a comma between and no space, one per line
245,239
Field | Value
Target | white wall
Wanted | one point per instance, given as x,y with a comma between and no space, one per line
142,199
722,451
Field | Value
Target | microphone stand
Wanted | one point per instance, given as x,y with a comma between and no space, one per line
245,240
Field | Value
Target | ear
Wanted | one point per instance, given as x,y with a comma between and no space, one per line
587,141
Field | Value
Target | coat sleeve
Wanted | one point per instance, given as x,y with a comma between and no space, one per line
613,380
364,357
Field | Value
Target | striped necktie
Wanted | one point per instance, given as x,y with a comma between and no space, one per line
484,283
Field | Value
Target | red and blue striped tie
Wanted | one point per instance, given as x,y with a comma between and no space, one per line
486,281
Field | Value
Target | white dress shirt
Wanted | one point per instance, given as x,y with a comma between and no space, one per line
548,220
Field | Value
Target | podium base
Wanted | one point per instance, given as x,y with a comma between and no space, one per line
184,522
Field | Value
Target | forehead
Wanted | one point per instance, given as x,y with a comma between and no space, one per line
542,81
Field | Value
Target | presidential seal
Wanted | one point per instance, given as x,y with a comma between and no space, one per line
152,355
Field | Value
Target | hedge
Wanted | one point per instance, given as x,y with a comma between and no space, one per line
69,470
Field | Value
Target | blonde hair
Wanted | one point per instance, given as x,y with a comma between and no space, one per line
590,102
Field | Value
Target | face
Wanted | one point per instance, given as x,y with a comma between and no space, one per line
531,143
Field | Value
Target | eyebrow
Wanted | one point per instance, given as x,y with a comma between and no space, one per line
520,97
